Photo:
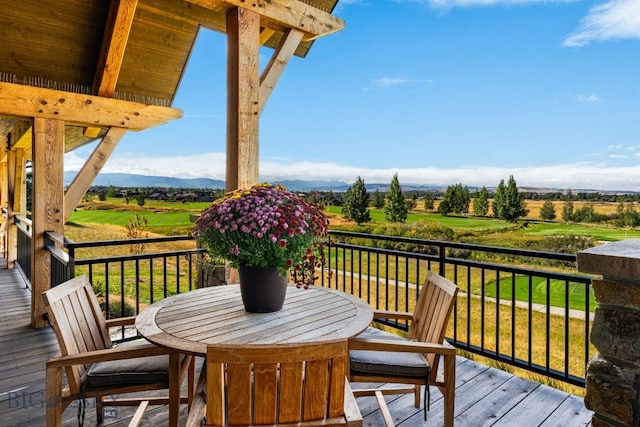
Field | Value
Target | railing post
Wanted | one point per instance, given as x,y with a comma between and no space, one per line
442,254
71,266
612,375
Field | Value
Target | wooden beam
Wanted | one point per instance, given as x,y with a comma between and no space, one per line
287,13
17,180
92,167
243,109
114,43
265,35
47,203
16,200
4,192
79,109
279,60
24,141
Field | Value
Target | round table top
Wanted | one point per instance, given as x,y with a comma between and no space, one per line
189,322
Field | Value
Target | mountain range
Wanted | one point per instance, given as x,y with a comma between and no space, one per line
133,180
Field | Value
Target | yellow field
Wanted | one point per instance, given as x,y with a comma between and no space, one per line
534,206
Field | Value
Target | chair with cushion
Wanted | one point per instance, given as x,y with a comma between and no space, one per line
97,369
381,357
297,384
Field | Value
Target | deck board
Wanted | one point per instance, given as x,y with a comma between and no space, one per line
484,396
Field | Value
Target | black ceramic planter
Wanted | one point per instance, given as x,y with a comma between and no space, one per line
263,289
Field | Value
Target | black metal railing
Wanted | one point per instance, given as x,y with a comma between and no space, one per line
24,250
129,282
528,309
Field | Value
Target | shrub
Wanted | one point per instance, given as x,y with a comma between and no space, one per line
116,310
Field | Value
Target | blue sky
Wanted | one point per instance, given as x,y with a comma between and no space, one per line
438,91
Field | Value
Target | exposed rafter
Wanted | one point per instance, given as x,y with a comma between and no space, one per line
294,14
115,39
114,42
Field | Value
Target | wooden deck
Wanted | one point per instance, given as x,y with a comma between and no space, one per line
484,396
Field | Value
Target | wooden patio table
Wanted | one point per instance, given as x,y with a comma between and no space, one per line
192,321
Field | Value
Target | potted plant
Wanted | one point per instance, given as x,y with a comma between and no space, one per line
265,232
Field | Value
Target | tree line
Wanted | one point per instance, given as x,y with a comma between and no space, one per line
506,202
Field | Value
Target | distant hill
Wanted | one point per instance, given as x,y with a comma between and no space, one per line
132,180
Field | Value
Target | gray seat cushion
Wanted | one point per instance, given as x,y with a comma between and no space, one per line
141,370
412,365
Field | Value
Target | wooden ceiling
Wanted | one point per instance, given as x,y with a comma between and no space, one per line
64,45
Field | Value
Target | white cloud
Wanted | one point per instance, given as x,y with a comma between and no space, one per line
590,99
389,81
447,4
382,82
615,19
588,175
201,165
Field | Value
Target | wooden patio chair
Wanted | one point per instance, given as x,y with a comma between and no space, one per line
298,384
380,357
96,369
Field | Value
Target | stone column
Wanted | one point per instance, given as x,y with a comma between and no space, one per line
613,374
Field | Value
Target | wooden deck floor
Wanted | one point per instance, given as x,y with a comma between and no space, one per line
484,396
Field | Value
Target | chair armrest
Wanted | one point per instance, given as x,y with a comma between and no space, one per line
351,409
401,346
118,353
121,321
388,314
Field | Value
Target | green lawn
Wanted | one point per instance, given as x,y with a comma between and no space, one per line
597,232
557,292
533,229
120,218
455,222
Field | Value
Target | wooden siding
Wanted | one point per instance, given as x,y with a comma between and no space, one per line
484,396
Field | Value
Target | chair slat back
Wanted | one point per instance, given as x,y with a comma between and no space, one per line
275,385
77,320
432,312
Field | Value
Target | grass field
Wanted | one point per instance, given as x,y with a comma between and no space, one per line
531,229
171,218
557,290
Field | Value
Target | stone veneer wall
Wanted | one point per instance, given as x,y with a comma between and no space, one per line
613,374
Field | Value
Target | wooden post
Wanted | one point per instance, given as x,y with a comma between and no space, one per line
16,200
4,191
243,106
47,206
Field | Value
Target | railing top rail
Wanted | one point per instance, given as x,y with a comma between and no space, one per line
478,264
456,245
133,257
57,237
99,243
